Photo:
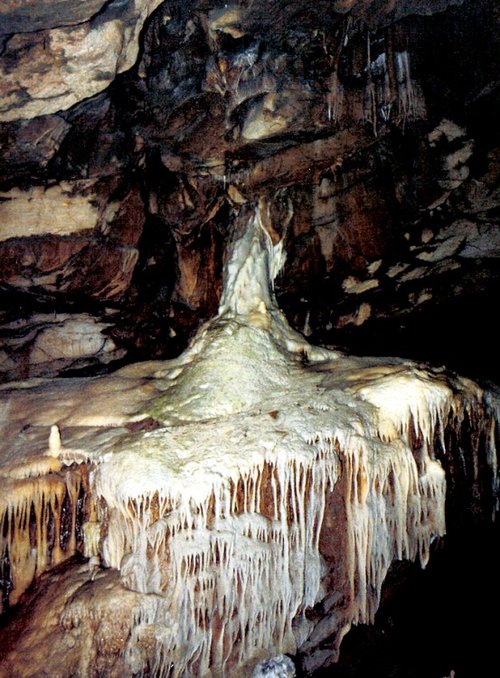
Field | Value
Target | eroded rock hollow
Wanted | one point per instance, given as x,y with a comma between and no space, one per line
193,198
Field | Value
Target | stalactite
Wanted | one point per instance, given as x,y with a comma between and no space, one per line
371,96
232,550
406,94
335,92
390,93
38,518
276,475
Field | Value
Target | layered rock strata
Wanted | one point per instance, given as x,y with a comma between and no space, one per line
131,129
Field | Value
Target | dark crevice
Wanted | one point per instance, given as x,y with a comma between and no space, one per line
432,621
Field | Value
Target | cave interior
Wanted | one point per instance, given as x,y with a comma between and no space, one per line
249,376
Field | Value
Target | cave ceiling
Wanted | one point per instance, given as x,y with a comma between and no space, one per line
132,132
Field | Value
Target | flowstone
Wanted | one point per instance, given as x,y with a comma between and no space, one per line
252,493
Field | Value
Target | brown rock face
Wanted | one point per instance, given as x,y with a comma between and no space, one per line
75,232
19,16
72,588
335,111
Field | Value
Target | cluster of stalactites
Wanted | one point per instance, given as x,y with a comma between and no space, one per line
38,528
234,570
393,512
382,65
237,571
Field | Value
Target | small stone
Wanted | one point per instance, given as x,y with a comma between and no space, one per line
427,235
277,667
352,285
374,266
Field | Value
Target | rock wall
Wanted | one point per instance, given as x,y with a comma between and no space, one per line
130,130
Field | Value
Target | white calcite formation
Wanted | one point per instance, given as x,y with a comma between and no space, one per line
235,487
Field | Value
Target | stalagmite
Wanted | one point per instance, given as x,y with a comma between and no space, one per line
54,441
240,485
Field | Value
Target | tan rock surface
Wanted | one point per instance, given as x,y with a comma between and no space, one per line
54,69
61,210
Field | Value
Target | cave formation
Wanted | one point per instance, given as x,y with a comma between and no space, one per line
208,213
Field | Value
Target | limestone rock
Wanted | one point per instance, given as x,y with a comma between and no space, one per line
61,210
53,69
226,20
70,339
57,264
50,343
18,16
381,12
477,239
85,608
290,111
445,249
29,146
89,237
